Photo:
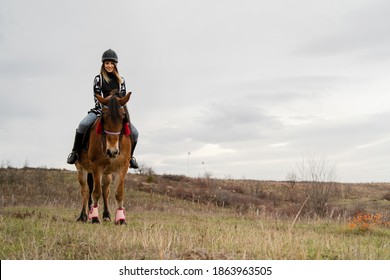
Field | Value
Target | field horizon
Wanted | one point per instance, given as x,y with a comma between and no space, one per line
177,217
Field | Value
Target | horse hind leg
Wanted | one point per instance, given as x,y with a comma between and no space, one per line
106,194
90,186
82,178
83,216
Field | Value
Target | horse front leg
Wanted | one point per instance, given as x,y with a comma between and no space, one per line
120,217
96,195
106,181
82,178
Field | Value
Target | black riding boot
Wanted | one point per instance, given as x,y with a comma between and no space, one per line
74,155
133,161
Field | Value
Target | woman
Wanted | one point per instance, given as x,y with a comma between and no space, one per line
108,79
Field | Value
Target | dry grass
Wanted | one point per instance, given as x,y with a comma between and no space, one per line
40,208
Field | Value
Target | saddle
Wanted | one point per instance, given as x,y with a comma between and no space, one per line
85,142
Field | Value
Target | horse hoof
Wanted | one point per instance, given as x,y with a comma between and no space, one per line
95,220
121,222
106,217
83,218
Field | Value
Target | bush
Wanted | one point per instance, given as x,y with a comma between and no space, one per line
362,222
319,177
175,178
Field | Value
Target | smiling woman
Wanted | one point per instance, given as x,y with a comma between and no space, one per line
105,83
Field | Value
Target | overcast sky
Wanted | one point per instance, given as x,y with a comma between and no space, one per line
238,89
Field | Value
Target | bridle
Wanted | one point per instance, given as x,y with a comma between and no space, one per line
107,132
120,102
112,132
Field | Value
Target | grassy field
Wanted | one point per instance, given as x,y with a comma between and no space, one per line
166,221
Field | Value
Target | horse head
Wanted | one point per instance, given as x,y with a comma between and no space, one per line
113,114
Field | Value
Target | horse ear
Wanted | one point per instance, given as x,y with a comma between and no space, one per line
102,100
125,99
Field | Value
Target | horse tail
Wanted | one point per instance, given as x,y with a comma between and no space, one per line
90,185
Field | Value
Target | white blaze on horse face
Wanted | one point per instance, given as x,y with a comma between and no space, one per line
112,142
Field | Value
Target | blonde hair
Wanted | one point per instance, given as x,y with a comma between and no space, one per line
107,78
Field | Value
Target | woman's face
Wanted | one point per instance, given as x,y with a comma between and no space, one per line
109,66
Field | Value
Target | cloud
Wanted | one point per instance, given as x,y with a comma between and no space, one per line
361,31
374,143
245,87
276,145
222,122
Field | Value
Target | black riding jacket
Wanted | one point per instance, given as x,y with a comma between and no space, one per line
101,87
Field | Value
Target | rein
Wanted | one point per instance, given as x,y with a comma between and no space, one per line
107,132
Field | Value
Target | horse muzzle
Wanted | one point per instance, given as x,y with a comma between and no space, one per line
112,153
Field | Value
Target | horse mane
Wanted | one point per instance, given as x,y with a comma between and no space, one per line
113,108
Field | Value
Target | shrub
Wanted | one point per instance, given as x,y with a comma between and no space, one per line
318,175
362,222
175,178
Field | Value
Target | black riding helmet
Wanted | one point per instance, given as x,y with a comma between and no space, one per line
110,55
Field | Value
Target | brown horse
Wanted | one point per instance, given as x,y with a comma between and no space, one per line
106,160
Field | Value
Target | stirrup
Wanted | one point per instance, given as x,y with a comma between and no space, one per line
72,157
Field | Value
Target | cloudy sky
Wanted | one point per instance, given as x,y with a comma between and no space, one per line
238,89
